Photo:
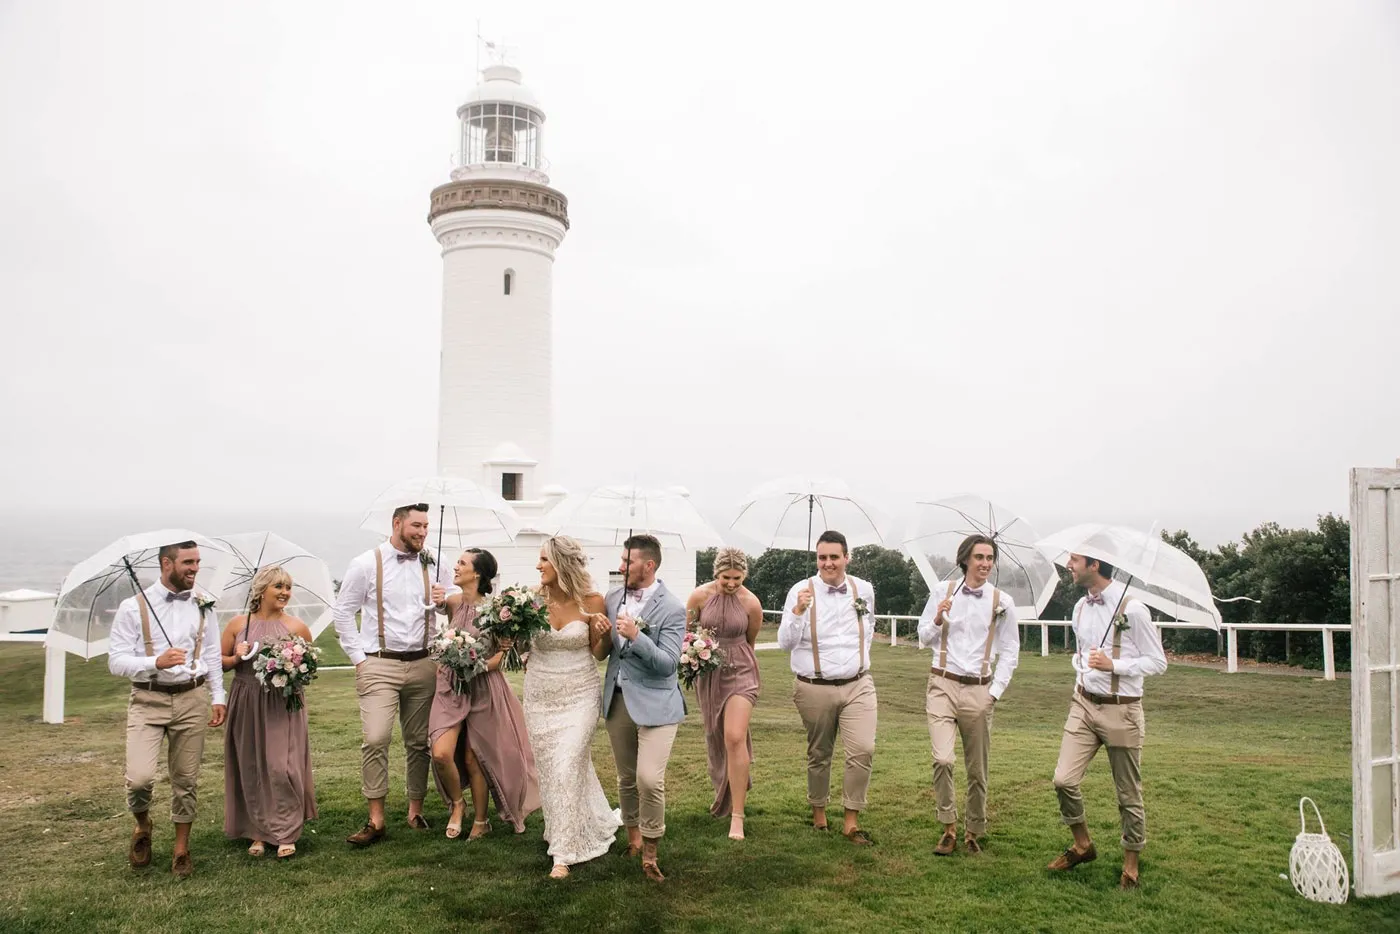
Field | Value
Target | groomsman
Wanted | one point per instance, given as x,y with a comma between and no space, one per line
172,683
642,703
391,589
1106,710
828,625
972,625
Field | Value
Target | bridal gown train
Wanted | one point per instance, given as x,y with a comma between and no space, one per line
562,705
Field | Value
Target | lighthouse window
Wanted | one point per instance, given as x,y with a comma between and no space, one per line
509,276
510,486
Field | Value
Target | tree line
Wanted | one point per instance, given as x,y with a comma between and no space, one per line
1287,575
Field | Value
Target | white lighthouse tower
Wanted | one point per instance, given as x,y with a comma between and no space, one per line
499,223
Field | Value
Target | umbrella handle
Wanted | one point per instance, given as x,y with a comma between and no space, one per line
251,652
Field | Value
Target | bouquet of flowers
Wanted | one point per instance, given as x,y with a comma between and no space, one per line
700,654
286,667
461,653
515,613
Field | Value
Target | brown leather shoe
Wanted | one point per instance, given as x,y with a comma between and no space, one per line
366,835
1071,858
1128,883
652,871
182,866
972,845
859,837
139,854
419,822
946,844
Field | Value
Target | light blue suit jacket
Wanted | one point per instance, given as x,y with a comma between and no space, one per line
645,669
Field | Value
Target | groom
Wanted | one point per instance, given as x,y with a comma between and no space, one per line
642,703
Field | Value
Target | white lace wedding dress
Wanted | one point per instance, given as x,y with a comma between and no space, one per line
562,704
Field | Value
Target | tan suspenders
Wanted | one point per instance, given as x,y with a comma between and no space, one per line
1117,643
379,598
812,617
991,634
146,627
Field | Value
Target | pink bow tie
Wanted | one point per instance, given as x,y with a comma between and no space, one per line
172,597
972,593
830,589
1095,599
405,555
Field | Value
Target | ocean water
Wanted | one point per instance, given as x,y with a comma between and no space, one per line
39,547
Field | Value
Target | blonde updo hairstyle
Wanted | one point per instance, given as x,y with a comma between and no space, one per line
570,561
269,576
731,559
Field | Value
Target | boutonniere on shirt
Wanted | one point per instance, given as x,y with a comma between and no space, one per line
862,608
641,624
426,558
204,602
1001,611
1120,622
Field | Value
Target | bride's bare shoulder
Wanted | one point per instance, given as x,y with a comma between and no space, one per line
592,603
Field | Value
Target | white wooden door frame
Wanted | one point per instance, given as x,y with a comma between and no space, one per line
1375,679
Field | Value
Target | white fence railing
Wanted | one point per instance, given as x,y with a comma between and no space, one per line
1232,638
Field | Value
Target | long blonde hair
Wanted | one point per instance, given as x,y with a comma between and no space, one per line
570,568
266,577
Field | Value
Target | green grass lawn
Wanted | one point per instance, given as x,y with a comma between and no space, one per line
1226,760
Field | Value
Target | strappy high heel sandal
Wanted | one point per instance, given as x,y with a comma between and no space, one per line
477,835
733,833
257,849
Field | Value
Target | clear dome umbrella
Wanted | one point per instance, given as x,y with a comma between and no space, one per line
313,592
793,511
937,527
92,591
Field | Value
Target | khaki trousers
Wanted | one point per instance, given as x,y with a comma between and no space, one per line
182,720
826,709
965,710
641,754
386,687
1120,727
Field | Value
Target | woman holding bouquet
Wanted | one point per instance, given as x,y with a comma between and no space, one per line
563,697
268,792
728,694
479,732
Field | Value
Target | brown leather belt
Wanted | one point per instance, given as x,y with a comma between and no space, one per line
961,679
178,688
1105,698
413,656
831,682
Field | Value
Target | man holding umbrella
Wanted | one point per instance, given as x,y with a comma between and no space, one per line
828,625
972,626
166,640
1106,709
389,587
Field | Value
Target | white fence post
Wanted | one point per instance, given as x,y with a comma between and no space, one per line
894,631
1044,639
55,669
1232,658
1329,658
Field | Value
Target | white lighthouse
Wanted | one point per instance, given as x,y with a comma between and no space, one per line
499,223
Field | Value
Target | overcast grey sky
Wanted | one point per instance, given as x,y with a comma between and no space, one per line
1099,261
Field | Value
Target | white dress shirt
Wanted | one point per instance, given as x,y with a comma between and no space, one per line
634,600
1141,653
403,605
181,620
838,641
965,629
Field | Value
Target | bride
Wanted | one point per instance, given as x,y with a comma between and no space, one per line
562,702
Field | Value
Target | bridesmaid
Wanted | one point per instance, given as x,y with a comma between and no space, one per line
268,793
727,695
482,732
